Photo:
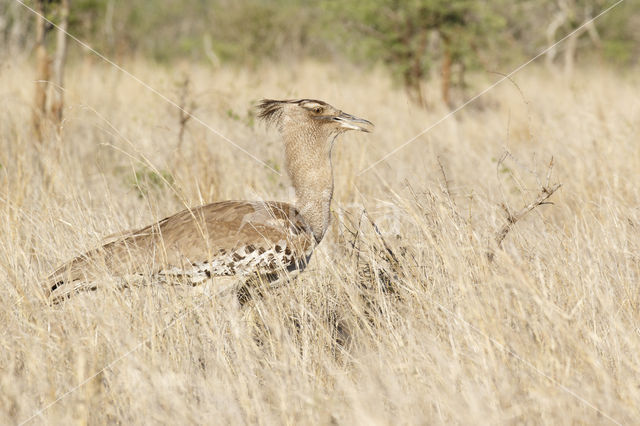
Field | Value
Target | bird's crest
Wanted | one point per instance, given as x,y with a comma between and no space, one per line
270,110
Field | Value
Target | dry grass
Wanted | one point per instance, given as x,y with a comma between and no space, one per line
548,332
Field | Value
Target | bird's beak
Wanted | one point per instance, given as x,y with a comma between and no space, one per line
349,122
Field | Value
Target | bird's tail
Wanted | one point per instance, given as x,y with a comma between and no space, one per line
120,259
76,275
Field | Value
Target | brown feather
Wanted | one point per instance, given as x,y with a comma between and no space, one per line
192,239
233,238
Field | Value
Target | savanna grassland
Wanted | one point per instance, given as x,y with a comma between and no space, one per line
418,319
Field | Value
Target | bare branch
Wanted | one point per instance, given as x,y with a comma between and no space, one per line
512,218
184,103
546,185
384,242
57,98
43,72
444,177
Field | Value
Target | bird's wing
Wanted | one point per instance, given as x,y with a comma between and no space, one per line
235,238
219,239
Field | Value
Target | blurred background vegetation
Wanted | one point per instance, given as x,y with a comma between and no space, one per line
414,39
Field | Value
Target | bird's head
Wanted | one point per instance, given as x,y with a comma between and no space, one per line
310,115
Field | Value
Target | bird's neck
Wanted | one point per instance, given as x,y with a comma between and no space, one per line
308,161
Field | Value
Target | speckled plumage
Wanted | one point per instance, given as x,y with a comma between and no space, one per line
233,238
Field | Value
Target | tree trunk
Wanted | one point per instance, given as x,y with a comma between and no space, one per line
417,85
43,71
413,86
57,102
446,75
569,56
108,27
557,22
416,71
570,53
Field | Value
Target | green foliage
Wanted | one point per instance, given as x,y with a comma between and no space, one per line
409,36
620,51
232,115
249,118
242,31
620,35
146,180
253,29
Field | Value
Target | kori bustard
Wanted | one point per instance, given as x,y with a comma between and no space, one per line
240,239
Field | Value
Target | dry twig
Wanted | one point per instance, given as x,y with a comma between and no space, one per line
546,191
184,103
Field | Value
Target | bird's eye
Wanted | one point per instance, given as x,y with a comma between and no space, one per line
317,110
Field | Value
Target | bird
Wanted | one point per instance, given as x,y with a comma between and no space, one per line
232,239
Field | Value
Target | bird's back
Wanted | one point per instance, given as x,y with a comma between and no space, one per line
218,239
